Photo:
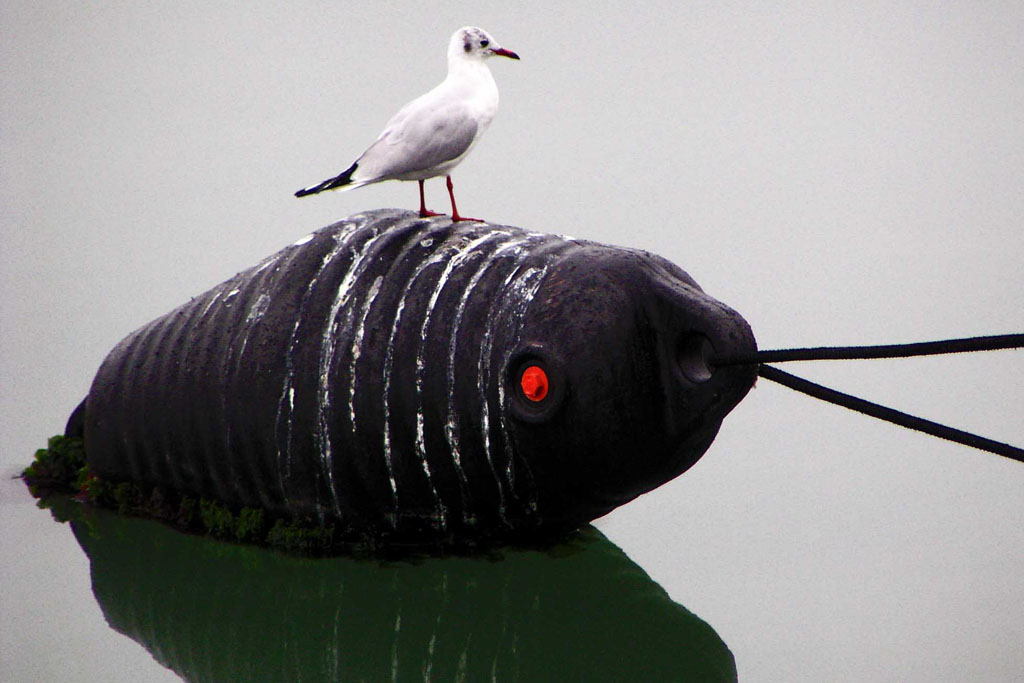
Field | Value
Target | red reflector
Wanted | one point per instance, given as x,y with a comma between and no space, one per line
534,383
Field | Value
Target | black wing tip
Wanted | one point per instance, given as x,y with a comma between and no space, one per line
340,180
316,189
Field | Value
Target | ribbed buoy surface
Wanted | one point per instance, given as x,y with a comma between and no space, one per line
370,374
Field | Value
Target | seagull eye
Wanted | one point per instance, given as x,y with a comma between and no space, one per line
484,42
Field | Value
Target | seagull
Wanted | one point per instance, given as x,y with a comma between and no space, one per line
429,136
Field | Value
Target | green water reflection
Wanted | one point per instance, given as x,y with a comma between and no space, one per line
213,611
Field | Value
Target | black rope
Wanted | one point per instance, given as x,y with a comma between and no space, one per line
932,348
891,415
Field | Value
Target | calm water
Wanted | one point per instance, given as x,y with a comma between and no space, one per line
808,563
211,611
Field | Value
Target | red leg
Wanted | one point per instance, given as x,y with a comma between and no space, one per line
424,213
455,212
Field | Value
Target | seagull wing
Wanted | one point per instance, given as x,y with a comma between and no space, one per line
426,134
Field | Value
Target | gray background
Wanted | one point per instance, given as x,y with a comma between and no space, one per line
838,173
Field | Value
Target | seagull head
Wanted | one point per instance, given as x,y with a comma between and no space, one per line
471,42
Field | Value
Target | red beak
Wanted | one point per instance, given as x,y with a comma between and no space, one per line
502,52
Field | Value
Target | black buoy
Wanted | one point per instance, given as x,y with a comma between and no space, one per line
418,379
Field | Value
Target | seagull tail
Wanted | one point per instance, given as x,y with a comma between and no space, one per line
341,180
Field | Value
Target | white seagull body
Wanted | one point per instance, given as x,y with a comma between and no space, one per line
432,134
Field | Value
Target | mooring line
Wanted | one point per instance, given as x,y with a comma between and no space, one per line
890,415
930,348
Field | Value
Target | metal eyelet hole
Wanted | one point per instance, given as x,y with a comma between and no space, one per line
692,356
